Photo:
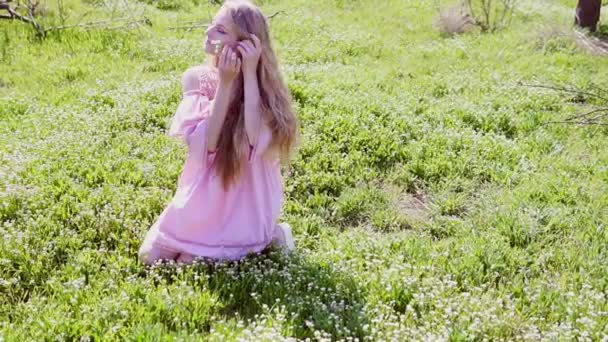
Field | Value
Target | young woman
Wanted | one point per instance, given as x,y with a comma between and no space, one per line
238,123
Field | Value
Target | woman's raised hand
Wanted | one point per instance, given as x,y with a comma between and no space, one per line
250,51
229,65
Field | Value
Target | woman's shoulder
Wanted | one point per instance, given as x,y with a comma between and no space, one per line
200,69
198,73
199,77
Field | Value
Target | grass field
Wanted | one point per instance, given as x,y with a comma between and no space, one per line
428,199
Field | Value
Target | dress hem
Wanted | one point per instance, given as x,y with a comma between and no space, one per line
211,251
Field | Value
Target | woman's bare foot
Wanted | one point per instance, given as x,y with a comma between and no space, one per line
283,237
185,258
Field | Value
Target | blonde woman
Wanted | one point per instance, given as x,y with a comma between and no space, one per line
238,123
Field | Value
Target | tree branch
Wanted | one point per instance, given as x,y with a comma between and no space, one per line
30,10
101,23
188,27
583,123
13,14
597,117
274,14
582,118
578,116
194,25
576,91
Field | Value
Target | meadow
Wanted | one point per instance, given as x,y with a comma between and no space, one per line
429,198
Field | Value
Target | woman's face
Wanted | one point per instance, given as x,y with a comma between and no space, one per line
222,29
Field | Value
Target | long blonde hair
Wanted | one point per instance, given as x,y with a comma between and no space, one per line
275,99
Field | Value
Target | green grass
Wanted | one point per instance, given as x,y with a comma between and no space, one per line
427,198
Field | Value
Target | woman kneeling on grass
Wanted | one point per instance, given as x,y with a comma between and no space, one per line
238,123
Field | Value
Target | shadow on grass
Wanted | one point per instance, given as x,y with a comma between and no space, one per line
310,292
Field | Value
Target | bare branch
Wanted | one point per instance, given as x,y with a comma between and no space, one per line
12,14
30,10
575,91
471,10
583,123
583,119
189,27
602,90
274,14
597,117
580,116
102,23
485,6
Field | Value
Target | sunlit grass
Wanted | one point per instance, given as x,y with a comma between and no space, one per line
428,199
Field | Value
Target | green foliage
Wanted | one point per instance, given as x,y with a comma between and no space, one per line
428,199
173,5
491,15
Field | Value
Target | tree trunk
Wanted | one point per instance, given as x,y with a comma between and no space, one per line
588,14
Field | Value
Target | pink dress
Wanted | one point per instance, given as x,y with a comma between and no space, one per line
204,220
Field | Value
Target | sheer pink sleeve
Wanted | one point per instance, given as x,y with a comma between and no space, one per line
193,108
190,120
199,91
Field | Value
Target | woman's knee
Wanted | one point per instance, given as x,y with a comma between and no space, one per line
149,255
185,258
145,256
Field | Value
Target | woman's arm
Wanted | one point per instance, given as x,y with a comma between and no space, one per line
229,66
252,107
219,108
250,50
